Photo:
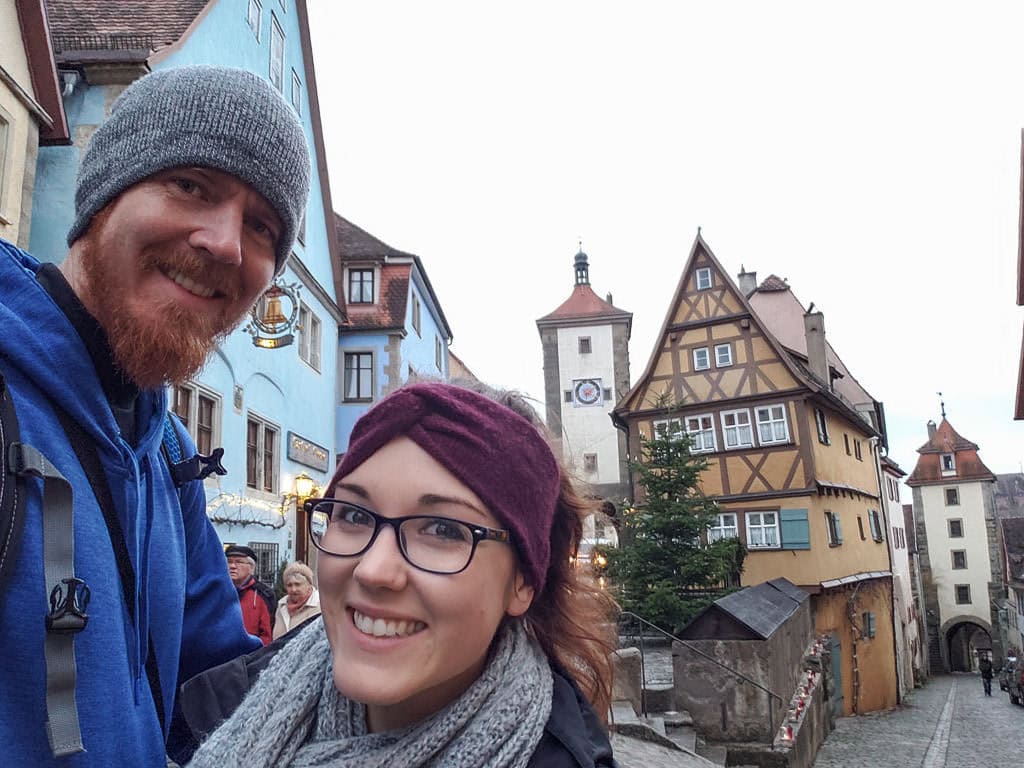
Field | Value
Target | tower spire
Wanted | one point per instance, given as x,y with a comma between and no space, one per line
581,266
942,404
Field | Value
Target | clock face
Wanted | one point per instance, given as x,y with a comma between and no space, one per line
587,391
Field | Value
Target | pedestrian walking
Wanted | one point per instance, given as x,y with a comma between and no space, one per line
985,667
187,202
455,628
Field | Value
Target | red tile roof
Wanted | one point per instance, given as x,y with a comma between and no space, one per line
356,243
773,283
107,25
583,302
965,458
389,311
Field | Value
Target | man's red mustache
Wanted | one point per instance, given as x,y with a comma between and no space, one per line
206,272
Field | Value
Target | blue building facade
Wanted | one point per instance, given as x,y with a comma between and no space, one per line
396,330
272,410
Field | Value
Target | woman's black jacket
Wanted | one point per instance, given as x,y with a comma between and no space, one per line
573,736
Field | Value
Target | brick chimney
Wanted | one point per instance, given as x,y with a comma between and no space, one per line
748,281
814,330
931,429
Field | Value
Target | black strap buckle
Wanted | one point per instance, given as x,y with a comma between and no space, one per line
198,467
67,614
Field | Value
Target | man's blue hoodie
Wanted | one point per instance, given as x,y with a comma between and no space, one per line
184,599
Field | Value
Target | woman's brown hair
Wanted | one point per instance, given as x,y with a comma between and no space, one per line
572,618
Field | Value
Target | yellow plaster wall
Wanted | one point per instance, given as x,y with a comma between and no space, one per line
875,662
12,58
833,463
821,562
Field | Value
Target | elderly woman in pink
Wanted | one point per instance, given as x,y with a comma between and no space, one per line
303,599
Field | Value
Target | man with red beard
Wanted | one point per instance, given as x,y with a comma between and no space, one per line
187,203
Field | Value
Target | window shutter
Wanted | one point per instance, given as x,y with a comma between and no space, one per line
796,533
839,530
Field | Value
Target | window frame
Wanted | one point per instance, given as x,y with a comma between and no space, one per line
956,496
417,314
670,432
822,425
833,528
703,274
361,272
949,527
771,421
953,557
718,361
191,422
761,526
584,345
736,427
857,451
875,523
277,53
256,30
260,460
310,345
590,463
296,93
358,354
438,354
707,359
697,444
956,594
951,469
718,531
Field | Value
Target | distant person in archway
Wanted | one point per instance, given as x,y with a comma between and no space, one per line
985,667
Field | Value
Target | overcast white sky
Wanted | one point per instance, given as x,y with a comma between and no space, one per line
869,155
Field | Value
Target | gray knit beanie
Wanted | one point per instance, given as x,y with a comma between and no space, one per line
212,117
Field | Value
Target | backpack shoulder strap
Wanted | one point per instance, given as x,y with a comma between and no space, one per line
12,491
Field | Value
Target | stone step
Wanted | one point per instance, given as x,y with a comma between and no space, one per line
684,736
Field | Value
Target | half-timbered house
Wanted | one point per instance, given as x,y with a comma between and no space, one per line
792,442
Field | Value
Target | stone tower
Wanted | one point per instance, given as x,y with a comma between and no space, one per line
958,549
586,371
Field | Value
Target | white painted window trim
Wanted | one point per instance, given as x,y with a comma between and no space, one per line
719,363
673,428
707,359
277,61
309,341
192,418
261,450
771,422
720,530
258,6
761,526
736,428
703,279
698,435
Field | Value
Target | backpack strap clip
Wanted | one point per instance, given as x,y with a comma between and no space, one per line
67,614
198,467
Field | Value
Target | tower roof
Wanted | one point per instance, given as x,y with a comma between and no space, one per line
946,440
583,303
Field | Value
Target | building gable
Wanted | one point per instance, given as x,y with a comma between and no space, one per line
712,346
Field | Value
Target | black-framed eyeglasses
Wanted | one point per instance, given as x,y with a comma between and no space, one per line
427,542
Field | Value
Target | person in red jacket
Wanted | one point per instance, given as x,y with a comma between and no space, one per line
257,599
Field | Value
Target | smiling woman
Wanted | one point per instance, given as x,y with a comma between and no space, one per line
454,631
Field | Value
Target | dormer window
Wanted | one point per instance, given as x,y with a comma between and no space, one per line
703,278
360,286
948,463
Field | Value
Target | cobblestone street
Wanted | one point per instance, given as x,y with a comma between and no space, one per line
947,724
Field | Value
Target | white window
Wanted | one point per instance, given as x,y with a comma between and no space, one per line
309,337
771,424
200,412
701,359
585,346
762,530
276,54
703,278
702,431
255,17
723,355
358,376
262,447
723,528
296,92
736,429
590,463
948,462
667,428
360,286
438,356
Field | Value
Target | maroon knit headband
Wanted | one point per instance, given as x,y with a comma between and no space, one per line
495,452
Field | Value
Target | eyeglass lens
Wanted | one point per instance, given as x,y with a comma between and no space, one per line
437,544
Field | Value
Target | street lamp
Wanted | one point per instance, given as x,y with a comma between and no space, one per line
304,486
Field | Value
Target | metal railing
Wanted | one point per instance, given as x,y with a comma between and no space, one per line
627,617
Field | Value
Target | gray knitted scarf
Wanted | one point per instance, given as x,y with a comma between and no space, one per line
294,716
